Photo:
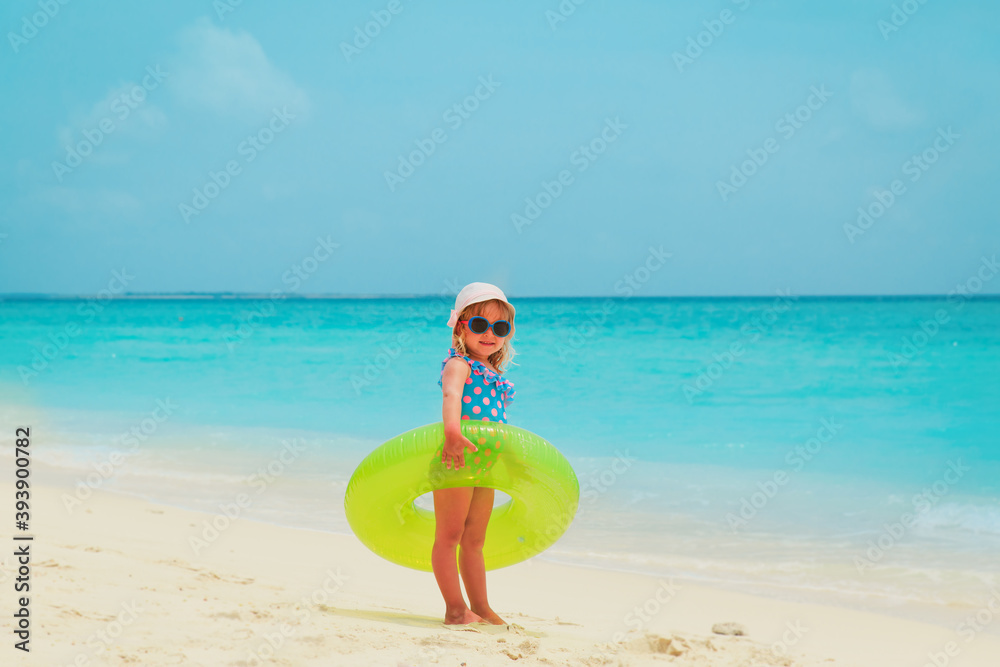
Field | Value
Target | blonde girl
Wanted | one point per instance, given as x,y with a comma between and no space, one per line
473,387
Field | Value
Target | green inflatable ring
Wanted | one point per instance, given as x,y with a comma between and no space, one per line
543,488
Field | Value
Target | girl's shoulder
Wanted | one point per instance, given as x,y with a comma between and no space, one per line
453,354
463,360
477,367
457,360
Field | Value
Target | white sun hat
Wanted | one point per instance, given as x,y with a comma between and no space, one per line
474,293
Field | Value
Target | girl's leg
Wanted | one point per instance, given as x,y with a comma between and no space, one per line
451,506
470,556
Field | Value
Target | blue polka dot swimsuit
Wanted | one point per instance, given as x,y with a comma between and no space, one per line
486,393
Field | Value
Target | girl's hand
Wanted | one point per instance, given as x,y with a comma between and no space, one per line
453,454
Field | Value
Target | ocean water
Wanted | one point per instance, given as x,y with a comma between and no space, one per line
835,449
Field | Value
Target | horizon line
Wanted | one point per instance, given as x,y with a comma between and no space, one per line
137,296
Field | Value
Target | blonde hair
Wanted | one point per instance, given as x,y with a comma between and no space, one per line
503,357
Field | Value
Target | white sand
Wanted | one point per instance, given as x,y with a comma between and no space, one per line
123,568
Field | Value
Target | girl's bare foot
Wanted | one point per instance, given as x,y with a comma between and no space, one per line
490,616
461,617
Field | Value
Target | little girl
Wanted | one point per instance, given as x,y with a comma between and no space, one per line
482,326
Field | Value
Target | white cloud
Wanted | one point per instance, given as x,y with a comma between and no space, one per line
875,100
229,73
126,109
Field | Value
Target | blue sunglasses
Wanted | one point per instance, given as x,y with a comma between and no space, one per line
479,325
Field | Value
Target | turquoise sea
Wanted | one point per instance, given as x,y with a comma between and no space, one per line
835,449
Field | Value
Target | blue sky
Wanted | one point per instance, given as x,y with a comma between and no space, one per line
644,125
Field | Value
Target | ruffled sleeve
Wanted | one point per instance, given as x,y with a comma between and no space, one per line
451,353
504,386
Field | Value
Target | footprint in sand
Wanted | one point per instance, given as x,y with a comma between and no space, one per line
525,649
651,643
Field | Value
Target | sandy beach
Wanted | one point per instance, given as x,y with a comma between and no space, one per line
123,581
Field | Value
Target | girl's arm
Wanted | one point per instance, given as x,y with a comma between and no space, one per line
456,372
